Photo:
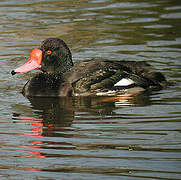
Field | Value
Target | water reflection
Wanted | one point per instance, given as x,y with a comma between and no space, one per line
54,117
62,110
53,113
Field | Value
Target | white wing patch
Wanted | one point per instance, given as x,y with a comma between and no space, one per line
106,93
124,82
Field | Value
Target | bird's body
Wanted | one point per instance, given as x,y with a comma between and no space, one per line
95,77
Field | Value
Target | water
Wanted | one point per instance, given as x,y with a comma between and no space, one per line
91,138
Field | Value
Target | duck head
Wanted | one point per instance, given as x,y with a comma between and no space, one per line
53,57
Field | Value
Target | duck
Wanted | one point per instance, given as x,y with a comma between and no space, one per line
61,77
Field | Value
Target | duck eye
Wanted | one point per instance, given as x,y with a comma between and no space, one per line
49,52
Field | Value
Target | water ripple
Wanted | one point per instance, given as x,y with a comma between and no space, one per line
91,138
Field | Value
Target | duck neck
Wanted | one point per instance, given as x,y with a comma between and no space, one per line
65,65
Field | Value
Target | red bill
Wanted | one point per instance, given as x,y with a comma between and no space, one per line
33,63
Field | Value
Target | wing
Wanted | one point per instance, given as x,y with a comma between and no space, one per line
98,75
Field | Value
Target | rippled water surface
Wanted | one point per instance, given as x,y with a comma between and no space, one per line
91,138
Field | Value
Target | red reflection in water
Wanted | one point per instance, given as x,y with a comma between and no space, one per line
32,154
38,126
29,169
36,131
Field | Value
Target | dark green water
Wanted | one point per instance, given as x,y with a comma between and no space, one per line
90,138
